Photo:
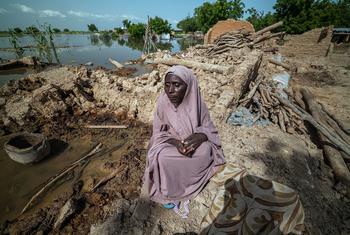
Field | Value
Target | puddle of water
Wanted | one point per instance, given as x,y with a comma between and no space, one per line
20,182
14,74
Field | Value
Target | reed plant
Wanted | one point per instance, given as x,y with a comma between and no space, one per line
13,39
45,44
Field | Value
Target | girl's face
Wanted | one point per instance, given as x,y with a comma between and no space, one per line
175,88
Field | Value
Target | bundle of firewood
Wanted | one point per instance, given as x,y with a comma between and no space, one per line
241,38
262,100
269,102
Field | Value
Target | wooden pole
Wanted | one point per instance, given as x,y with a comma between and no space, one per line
266,37
107,126
284,65
195,64
116,63
269,28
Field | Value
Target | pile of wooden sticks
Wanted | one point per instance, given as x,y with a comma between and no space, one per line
262,99
241,38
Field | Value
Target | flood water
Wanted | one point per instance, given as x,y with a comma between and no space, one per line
84,48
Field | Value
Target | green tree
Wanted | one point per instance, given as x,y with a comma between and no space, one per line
327,12
259,20
66,30
56,30
295,14
126,23
137,30
302,15
188,24
210,13
17,30
92,28
159,25
343,16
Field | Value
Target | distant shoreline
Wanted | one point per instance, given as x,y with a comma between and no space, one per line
9,49
6,34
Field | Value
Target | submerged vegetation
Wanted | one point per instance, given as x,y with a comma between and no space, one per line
13,39
53,47
44,42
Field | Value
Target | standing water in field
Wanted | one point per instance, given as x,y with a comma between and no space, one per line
84,48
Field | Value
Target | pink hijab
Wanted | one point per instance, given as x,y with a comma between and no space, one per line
191,116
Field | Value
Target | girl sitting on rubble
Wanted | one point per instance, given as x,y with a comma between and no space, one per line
184,151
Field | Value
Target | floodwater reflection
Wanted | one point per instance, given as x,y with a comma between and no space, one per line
96,48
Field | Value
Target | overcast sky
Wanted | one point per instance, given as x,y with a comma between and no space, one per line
106,14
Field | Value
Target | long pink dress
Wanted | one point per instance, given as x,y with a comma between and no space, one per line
170,176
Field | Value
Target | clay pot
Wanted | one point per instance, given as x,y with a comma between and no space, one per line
27,147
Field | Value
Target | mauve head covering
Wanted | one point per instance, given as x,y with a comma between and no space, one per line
191,116
192,102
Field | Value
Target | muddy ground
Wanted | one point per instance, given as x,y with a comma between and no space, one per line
71,97
123,150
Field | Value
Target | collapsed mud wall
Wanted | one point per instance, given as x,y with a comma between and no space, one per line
315,42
